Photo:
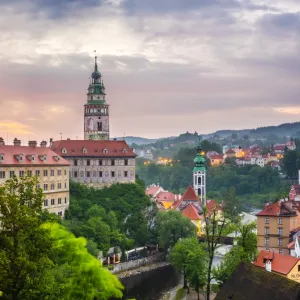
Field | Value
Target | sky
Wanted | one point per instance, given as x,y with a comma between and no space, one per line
169,66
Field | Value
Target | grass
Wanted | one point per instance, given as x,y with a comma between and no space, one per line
179,294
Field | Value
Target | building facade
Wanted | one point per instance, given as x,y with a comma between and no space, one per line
51,170
96,110
98,163
275,224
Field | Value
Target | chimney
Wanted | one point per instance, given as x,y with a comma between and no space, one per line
268,266
32,144
2,143
43,144
17,142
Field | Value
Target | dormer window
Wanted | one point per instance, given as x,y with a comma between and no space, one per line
31,157
1,157
84,150
64,150
19,157
124,151
56,157
43,157
105,151
96,150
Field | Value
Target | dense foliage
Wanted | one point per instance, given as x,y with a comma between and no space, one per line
120,215
291,162
43,260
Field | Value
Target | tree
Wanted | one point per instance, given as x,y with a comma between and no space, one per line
215,227
171,226
197,269
179,256
25,247
232,205
291,163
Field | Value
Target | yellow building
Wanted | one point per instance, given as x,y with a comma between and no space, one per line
284,265
51,170
275,224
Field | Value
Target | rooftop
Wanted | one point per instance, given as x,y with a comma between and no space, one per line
280,208
191,212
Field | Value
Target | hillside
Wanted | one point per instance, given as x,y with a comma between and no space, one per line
137,140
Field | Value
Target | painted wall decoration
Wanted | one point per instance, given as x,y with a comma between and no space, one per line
96,123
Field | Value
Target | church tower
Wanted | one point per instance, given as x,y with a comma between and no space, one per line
199,176
96,112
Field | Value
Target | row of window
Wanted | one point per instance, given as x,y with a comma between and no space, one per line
100,174
280,251
267,241
100,162
52,186
52,202
30,173
280,230
267,221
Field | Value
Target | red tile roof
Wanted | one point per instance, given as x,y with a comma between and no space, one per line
279,147
211,205
216,156
165,196
42,156
189,195
280,263
280,208
93,148
152,190
177,203
230,151
191,212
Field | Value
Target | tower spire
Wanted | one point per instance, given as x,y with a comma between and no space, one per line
96,65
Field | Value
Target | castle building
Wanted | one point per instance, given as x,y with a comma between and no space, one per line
51,170
96,110
199,176
98,163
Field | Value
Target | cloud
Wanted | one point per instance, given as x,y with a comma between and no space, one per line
168,66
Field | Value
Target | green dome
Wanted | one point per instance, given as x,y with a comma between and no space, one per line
199,159
199,163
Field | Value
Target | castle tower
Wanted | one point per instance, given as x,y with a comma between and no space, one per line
96,112
199,176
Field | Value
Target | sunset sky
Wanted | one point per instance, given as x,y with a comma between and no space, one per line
169,66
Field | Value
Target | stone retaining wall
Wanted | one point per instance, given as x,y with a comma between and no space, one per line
129,265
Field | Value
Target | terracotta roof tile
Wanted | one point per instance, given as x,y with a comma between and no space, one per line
93,148
189,195
279,208
216,156
280,263
152,190
211,204
230,151
42,156
191,212
165,196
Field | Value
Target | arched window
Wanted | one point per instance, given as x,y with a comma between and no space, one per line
199,180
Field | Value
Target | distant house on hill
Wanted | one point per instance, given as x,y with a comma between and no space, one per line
230,153
248,282
166,198
153,190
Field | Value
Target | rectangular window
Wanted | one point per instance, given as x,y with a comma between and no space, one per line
280,230
100,162
267,230
45,187
59,200
60,213
266,241
267,221
100,174
37,173
126,162
75,174
75,162
59,186
88,162
52,201
51,172
280,221
46,202
21,173
280,252
11,174
45,172
279,241
65,185
88,174
59,172
112,162
29,173
112,174
2,174
52,186
66,200
125,173
65,172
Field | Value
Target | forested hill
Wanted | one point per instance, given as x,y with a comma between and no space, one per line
274,133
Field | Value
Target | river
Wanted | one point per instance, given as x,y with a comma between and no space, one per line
151,284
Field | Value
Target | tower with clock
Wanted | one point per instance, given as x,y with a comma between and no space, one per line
96,110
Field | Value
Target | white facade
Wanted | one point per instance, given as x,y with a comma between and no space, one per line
200,185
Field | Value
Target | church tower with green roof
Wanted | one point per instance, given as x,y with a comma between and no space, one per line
96,110
199,176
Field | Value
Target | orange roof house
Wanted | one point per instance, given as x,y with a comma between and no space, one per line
166,198
189,196
284,265
154,190
191,212
211,205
